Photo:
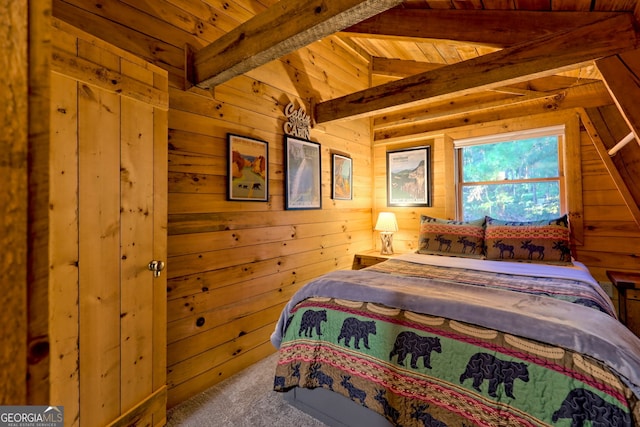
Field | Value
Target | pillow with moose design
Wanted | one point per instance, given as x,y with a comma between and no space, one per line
544,241
453,238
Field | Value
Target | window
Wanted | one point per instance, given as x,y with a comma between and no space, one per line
515,176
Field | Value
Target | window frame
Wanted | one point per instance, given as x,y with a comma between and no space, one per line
459,144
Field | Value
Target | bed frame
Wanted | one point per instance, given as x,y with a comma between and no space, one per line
333,409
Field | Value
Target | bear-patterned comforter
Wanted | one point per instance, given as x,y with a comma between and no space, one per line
456,344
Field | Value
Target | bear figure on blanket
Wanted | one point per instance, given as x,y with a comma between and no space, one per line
582,405
484,366
408,342
358,329
311,320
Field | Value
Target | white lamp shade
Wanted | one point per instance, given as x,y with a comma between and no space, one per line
387,222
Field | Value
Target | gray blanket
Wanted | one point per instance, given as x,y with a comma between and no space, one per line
555,322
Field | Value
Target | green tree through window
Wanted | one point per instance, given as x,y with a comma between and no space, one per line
515,180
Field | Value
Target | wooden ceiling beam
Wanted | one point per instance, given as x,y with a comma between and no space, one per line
538,58
500,28
400,67
593,93
589,95
283,28
446,108
621,74
604,126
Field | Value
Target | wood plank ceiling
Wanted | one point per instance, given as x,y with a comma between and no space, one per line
436,49
439,64
299,23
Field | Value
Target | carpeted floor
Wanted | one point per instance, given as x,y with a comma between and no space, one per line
245,399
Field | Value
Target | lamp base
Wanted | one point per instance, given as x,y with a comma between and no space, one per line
386,238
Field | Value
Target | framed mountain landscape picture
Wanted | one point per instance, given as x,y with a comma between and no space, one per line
408,177
248,169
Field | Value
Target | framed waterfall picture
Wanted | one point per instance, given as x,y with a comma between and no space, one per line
408,177
247,169
303,184
341,177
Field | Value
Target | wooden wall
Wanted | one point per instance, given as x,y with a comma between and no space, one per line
107,221
233,265
14,89
612,237
609,235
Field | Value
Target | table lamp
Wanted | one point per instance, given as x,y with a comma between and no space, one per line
386,225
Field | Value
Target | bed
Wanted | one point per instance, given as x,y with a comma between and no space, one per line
429,340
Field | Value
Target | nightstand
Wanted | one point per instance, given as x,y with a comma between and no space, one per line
368,258
628,287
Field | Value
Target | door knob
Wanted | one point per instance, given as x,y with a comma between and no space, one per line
156,267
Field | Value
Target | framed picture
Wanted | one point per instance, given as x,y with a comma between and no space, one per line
408,177
341,177
247,169
302,174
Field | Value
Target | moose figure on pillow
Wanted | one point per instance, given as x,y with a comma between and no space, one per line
545,241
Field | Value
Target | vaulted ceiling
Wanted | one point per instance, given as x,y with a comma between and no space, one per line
506,42
438,64
433,64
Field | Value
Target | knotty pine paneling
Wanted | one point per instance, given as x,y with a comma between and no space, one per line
233,265
64,237
107,196
202,362
406,239
16,42
243,260
235,363
212,337
611,237
238,238
260,250
88,17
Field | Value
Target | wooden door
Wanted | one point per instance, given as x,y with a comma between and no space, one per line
108,204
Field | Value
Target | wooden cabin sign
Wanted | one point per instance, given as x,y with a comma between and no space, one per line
298,122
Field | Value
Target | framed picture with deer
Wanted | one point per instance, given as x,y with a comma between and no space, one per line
248,169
